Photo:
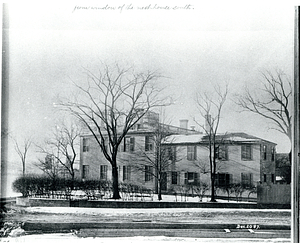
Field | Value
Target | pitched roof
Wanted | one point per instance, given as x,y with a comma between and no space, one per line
178,139
201,138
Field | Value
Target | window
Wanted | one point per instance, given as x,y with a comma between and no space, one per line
174,178
85,145
49,161
103,172
126,173
246,152
148,173
264,152
106,143
191,178
265,178
222,152
85,171
273,178
223,179
191,152
171,153
247,179
148,143
273,154
129,144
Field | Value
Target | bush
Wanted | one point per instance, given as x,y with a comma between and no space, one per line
31,185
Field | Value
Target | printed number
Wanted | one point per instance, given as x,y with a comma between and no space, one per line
247,226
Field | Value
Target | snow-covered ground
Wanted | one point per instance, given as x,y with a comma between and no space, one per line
119,213
112,211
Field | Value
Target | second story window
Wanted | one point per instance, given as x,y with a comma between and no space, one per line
264,152
106,143
103,172
85,145
171,153
148,143
191,152
222,152
129,144
273,154
246,152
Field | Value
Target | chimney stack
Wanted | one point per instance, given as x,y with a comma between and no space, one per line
184,123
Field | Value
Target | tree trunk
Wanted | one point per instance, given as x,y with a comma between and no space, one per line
159,190
73,179
23,168
212,199
115,185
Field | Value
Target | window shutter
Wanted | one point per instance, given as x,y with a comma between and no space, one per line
230,179
196,176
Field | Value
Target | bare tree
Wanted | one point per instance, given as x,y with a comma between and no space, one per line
112,102
22,151
63,147
157,158
210,107
49,166
273,102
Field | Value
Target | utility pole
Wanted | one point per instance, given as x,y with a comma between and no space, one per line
296,134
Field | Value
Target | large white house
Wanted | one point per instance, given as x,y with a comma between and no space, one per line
241,158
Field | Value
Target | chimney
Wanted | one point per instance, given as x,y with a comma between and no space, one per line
184,123
207,122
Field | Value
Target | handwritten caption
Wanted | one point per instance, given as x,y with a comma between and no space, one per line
124,7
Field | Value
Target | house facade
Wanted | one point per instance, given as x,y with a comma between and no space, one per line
137,145
241,158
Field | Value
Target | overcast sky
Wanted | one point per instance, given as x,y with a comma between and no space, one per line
194,47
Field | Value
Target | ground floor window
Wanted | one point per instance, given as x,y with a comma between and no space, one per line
148,173
223,179
174,178
103,172
265,178
247,179
85,171
191,178
126,173
273,178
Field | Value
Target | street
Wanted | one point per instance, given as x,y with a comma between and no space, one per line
183,223
186,233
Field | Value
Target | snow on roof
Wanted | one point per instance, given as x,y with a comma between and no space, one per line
178,139
198,138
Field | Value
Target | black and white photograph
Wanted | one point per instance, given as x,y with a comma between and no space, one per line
155,121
